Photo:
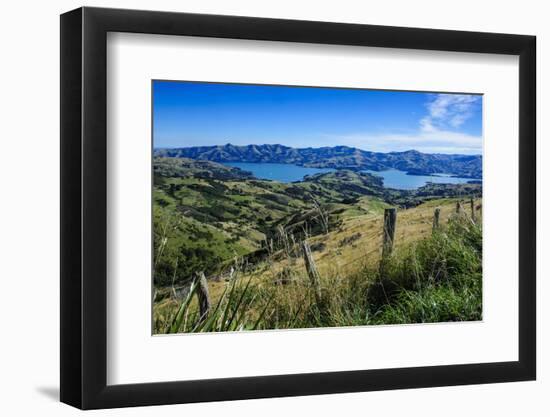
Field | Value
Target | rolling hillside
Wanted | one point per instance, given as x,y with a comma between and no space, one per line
358,239
207,215
431,277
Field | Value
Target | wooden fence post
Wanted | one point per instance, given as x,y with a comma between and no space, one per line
312,272
390,218
458,207
203,296
472,209
435,225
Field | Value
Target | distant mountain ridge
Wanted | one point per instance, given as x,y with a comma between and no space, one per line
338,157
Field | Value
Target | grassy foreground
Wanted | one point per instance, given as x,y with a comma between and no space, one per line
434,279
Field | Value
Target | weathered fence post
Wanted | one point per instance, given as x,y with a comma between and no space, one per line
435,225
312,272
390,218
203,296
458,207
472,209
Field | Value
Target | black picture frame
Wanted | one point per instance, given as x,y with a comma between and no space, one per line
84,207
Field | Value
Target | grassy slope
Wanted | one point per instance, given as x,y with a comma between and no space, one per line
208,215
229,218
358,241
348,252
234,216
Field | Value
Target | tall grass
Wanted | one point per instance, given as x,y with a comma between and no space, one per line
437,279
232,312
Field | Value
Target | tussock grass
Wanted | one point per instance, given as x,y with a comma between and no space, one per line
232,312
435,279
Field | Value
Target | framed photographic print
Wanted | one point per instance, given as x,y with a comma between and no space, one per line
257,207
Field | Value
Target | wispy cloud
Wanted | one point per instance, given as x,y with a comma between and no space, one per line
439,131
448,111
437,141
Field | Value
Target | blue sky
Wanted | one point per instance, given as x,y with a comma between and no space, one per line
200,114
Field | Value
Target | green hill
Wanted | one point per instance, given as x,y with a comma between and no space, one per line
205,214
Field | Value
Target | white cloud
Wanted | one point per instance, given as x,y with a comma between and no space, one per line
449,111
437,133
434,141
426,125
437,130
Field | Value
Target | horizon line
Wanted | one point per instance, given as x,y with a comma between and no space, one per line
311,147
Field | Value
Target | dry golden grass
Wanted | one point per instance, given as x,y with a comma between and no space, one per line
338,260
344,252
